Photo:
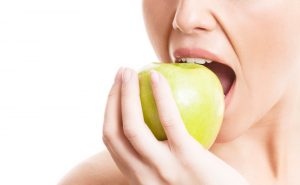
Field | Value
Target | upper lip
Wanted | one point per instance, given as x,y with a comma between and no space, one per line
197,53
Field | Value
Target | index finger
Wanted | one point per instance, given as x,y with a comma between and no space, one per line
168,112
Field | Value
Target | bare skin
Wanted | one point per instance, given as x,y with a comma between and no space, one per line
259,137
266,154
99,169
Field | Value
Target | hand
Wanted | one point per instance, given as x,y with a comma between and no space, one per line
143,159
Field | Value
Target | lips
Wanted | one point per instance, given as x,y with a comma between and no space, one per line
224,72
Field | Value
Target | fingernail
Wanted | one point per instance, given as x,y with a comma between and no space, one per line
118,75
126,75
154,76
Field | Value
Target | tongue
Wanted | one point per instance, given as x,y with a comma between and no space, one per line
225,73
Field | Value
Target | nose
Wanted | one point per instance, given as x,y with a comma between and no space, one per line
193,15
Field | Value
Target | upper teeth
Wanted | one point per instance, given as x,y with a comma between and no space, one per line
194,60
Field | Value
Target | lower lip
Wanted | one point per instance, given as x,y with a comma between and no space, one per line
229,94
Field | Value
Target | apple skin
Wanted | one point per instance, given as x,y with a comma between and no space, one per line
198,94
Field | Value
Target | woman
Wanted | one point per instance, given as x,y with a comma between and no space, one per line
258,142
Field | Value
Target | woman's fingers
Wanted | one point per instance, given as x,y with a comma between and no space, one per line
125,134
136,151
133,121
134,126
113,136
168,112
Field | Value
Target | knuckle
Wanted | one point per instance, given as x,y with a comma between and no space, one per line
113,92
168,176
125,88
186,161
124,95
167,121
106,140
181,147
107,136
130,133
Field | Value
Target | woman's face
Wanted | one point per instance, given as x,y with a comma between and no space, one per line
258,39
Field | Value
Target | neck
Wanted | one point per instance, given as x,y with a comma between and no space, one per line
278,132
273,143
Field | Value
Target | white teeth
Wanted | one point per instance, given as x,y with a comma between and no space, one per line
194,60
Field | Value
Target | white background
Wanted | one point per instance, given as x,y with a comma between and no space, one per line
58,59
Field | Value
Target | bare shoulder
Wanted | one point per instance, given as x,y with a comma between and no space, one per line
99,169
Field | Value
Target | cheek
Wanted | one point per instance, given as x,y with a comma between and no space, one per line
158,17
267,45
269,39
267,51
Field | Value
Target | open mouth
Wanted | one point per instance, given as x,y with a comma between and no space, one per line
225,73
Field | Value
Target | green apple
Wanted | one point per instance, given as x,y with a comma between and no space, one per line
198,94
